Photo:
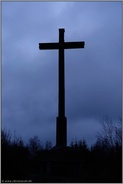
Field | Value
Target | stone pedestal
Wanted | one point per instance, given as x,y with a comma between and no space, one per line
64,164
61,132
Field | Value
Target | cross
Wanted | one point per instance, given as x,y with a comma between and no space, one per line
61,121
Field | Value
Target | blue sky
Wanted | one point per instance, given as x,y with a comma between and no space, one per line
30,76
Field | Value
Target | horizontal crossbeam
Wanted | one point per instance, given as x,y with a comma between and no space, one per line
48,46
73,45
64,45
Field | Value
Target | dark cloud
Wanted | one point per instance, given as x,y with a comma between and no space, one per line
29,76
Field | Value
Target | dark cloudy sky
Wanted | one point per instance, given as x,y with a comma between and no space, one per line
30,76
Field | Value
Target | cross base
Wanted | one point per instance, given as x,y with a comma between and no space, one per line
61,132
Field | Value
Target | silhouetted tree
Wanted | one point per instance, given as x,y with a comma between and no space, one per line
48,145
34,145
118,134
81,144
106,153
17,141
14,157
5,137
109,134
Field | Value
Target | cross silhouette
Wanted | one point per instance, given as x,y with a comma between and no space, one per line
61,124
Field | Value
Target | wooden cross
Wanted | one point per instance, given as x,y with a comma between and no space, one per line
61,125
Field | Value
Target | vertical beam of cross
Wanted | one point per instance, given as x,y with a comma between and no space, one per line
61,101
61,120
61,126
